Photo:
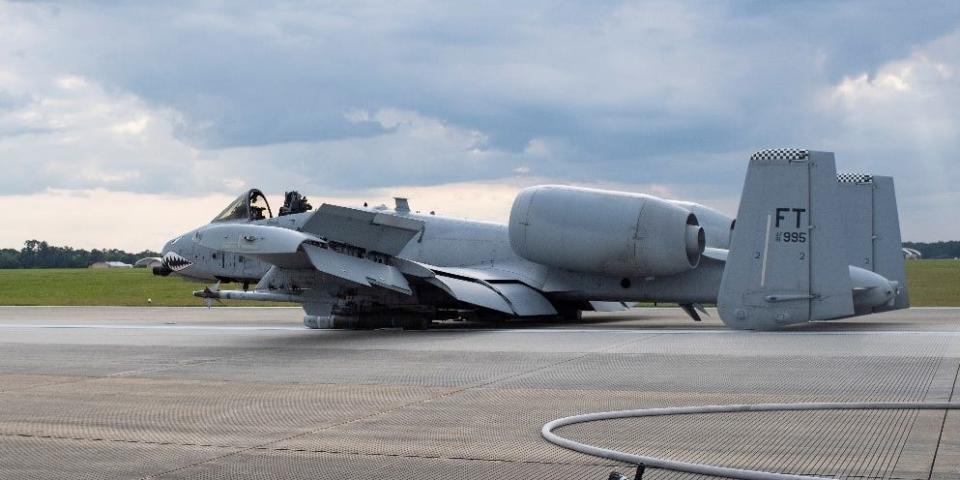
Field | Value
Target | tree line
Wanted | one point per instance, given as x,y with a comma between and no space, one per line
37,254
949,249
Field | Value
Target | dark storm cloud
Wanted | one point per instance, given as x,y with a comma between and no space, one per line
255,75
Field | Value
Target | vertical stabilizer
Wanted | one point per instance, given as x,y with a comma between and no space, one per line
872,232
787,262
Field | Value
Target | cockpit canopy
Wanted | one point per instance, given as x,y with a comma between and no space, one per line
247,207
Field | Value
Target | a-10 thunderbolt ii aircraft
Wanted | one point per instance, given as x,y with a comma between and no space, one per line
806,245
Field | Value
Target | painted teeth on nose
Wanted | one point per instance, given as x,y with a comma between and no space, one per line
175,262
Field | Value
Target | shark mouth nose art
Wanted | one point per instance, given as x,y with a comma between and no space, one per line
175,262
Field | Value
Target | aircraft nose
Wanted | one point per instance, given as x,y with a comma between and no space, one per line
172,261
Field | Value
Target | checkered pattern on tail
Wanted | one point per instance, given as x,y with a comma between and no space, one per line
780,154
854,178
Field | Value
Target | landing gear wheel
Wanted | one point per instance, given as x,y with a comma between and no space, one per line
414,322
571,315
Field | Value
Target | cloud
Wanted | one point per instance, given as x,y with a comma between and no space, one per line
334,99
74,133
101,218
901,120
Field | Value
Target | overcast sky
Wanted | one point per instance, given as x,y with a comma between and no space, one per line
123,124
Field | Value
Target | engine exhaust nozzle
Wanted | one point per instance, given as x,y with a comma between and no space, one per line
696,241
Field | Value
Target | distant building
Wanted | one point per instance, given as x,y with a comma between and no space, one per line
911,254
148,262
111,265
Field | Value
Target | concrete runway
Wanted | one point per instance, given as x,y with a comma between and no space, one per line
247,393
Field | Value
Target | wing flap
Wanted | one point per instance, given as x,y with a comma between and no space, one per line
491,289
525,301
473,293
357,270
529,275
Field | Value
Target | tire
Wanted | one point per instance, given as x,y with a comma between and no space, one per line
414,322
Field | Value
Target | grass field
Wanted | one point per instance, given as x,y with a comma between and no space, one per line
931,283
934,283
118,287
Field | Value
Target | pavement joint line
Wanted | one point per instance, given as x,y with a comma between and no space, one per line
304,450
936,451
139,371
578,357
113,440
429,398
648,334
436,457
913,421
123,374
127,373
51,384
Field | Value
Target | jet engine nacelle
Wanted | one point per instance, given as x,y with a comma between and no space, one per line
716,226
610,233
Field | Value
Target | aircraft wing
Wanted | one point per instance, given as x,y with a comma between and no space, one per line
357,270
499,289
512,298
375,231
502,290
286,248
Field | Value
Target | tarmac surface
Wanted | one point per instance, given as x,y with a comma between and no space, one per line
166,393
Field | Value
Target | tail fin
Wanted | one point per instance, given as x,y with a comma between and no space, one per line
872,228
787,261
